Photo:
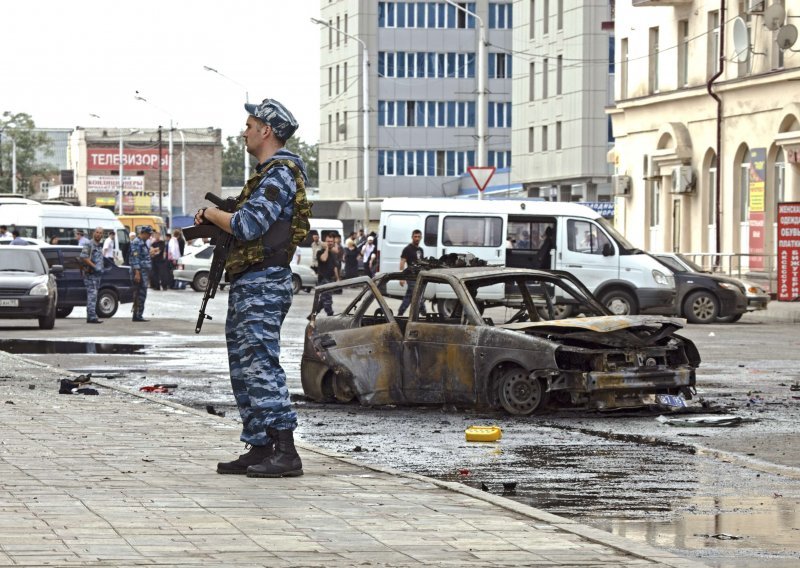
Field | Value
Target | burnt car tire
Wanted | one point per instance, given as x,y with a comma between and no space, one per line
48,321
107,303
342,389
730,319
701,307
63,312
297,284
620,303
200,282
520,393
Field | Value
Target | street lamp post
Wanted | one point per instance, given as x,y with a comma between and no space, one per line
183,173
138,97
122,166
247,100
364,112
481,98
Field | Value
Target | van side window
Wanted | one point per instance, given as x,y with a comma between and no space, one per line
431,235
585,237
472,231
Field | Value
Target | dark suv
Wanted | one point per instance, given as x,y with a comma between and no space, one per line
115,285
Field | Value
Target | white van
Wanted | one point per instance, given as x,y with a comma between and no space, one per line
531,234
322,227
46,222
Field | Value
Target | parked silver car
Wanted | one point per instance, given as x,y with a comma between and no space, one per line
27,285
194,266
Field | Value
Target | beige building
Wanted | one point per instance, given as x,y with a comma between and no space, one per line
680,186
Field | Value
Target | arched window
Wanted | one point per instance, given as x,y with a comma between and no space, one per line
711,180
744,186
780,176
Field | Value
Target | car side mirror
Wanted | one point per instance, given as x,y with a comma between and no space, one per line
608,250
56,269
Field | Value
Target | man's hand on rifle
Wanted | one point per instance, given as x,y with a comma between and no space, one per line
214,216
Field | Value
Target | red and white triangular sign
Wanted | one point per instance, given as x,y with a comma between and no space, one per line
481,175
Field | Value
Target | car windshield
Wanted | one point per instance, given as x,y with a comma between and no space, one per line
623,243
14,259
691,264
672,263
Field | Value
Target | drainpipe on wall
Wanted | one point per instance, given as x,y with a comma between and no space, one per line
718,184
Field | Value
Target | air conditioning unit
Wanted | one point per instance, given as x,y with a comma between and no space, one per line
682,179
755,6
621,185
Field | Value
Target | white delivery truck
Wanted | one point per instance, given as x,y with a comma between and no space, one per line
48,222
322,228
530,234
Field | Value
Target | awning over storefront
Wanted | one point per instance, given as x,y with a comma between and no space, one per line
354,210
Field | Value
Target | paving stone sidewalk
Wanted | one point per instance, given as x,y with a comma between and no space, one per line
122,479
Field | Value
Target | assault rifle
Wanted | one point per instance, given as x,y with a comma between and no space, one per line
222,241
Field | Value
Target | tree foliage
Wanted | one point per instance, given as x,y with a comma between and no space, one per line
233,160
19,127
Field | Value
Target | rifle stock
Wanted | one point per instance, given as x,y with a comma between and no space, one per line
222,241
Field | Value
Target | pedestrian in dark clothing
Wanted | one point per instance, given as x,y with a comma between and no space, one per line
327,271
410,255
350,259
159,279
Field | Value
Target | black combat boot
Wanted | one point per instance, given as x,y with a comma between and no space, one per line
284,461
254,455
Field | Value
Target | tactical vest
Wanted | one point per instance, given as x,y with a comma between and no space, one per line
276,247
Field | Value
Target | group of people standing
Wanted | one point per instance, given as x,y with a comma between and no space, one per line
332,262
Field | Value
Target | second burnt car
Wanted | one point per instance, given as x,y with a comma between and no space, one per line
499,344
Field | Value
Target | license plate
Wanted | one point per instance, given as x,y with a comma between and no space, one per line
9,303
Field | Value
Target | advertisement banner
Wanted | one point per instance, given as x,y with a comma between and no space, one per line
132,159
110,184
788,252
757,174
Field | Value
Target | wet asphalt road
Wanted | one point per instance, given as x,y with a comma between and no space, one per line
625,473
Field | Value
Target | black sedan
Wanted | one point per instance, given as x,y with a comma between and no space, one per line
704,297
27,287
115,284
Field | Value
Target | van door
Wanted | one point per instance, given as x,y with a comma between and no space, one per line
587,252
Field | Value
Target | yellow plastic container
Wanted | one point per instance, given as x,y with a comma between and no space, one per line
483,433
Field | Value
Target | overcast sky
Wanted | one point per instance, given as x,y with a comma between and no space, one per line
63,60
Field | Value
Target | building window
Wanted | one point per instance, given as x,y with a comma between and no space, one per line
330,169
338,40
330,81
344,73
712,193
500,16
338,127
435,15
653,60
530,139
559,72
499,115
744,186
330,34
337,169
713,43
655,202
545,16
545,71
337,79
532,19
623,76
780,176
499,65
560,15
558,135
499,159
344,125
345,27
330,133
532,82
427,163
544,138
428,65
344,169
683,53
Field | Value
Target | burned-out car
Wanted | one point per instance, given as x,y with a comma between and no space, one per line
492,340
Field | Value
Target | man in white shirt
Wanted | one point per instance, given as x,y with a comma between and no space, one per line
110,246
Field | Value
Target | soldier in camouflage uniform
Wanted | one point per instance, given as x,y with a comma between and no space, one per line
91,259
261,292
140,271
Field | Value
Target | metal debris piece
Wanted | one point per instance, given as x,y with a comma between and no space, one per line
701,421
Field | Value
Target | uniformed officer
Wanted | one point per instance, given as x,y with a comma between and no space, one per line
140,271
92,258
260,294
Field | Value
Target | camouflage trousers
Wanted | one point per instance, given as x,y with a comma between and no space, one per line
92,284
257,305
140,292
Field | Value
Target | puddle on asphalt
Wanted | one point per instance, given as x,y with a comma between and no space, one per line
43,346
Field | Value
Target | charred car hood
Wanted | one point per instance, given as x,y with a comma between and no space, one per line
608,330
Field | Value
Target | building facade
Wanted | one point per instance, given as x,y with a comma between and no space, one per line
423,75
707,125
563,82
150,185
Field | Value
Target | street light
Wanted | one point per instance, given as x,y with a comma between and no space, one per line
481,102
364,112
247,100
122,164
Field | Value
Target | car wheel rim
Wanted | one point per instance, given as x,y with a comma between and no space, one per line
342,389
520,393
618,307
202,282
703,308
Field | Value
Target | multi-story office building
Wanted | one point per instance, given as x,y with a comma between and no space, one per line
422,102
563,81
707,124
